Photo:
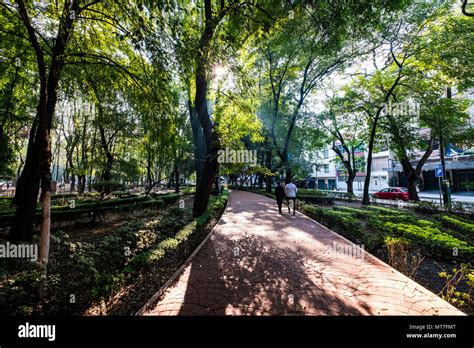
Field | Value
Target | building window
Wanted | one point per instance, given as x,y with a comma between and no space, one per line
379,163
326,154
326,168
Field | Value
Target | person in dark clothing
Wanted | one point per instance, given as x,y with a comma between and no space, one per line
280,195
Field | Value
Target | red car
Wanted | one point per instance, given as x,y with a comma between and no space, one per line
393,193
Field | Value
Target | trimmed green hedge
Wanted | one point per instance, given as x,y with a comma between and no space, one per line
92,209
399,219
184,236
311,192
342,222
360,213
169,197
386,211
320,200
434,241
458,225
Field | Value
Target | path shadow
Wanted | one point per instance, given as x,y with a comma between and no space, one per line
244,274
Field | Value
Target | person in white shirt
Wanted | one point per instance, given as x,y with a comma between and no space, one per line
290,191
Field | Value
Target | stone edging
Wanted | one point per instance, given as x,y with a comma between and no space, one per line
178,272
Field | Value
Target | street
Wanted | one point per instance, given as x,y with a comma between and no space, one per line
464,197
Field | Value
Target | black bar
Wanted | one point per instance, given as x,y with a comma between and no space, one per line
243,330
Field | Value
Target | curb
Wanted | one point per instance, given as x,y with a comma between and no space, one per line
180,270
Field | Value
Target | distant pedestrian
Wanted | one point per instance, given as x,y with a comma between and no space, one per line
280,195
291,190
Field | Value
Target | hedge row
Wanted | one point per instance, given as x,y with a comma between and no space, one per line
360,213
459,225
433,241
320,200
158,252
93,209
382,222
387,211
89,205
312,192
339,221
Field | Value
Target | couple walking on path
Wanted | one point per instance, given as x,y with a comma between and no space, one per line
289,191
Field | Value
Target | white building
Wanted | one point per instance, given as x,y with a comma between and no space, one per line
328,173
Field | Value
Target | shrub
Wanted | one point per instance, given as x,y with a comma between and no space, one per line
461,207
453,291
320,200
426,207
62,196
122,194
173,220
401,257
385,211
87,211
400,218
457,225
432,240
183,236
108,186
159,251
312,192
428,223
188,190
220,201
360,213
339,221
170,197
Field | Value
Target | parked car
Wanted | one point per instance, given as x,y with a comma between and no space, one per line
393,193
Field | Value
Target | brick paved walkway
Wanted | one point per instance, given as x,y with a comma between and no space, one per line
258,262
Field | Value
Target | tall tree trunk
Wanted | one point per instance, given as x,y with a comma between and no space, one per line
91,165
350,184
412,192
38,158
72,174
211,165
81,185
368,172
413,174
28,185
176,177
107,171
45,201
84,158
288,175
373,131
199,143
441,155
410,173
268,165
149,174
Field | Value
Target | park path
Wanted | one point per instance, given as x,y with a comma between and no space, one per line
257,262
